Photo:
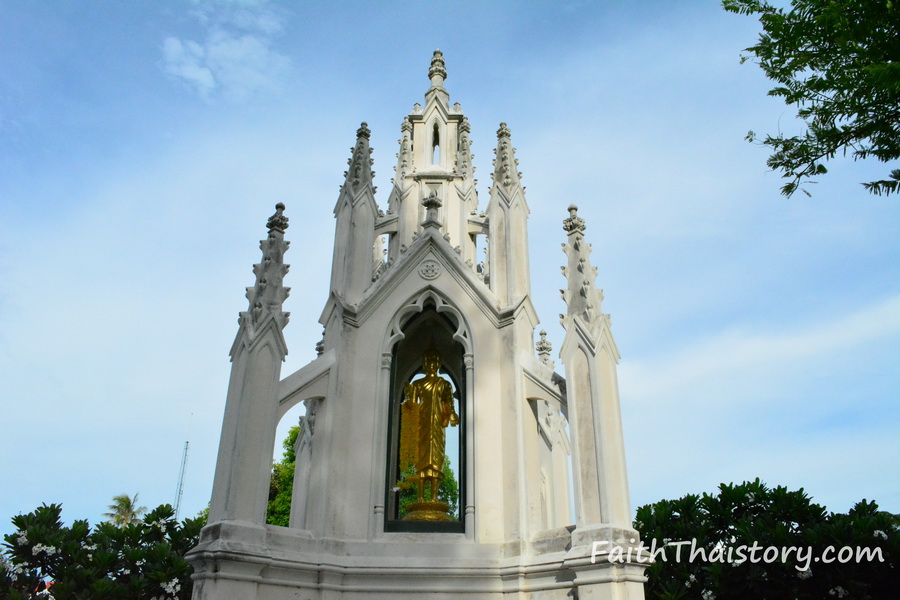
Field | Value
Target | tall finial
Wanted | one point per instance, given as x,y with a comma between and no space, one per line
437,73
506,167
582,296
360,171
268,293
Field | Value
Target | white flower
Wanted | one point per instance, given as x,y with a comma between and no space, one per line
48,550
21,538
804,574
839,592
171,587
880,534
708,595
161,523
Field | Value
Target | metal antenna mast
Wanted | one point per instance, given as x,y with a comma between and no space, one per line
179,491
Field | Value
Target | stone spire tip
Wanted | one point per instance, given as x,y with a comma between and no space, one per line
363,131
278,222
437,73
574,223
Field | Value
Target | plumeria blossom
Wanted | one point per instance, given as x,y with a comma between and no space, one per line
48,550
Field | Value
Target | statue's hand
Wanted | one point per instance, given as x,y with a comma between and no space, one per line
454,419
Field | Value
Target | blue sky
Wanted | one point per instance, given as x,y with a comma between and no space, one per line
144,145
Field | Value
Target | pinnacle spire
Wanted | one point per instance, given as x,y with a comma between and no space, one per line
506,166
360,171
268,294
404,156
582,296
464,155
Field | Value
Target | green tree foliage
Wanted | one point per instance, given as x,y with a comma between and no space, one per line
741,515
281,486
838,61
124,510
139,560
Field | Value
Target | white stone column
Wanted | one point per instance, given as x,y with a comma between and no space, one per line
379,458
469,503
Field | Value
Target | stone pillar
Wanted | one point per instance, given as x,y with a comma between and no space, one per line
378,459
469,362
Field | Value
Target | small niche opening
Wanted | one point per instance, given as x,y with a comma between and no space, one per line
435,146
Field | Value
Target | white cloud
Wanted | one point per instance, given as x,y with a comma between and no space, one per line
185,60
235,58
739,351
782,404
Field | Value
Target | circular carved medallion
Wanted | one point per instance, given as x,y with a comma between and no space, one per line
429,269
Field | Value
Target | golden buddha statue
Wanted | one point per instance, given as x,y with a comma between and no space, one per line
425,415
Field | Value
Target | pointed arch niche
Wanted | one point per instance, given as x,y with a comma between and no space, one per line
428,323
435,145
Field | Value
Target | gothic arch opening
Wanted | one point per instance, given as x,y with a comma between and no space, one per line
435,145
426,458
284,459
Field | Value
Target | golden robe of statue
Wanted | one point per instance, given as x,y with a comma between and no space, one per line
428,411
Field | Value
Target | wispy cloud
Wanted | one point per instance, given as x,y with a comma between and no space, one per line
732,353
235,58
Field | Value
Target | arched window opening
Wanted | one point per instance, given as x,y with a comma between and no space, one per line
290,434
426,471
435,146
